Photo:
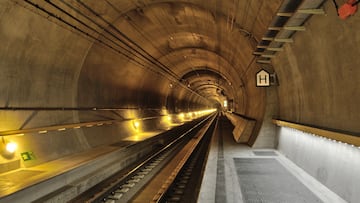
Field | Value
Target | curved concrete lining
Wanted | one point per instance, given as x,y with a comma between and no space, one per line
133,68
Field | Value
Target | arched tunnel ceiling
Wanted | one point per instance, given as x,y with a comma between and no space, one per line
175,36
187,34
181,35
203,79
169,38
71,62
144,55
179,56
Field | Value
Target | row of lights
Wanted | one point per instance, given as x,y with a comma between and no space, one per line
180,117
76,127
321,137
11,147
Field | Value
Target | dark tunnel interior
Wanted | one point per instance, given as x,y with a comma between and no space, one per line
77,74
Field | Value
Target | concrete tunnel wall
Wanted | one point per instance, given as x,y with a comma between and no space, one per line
318,76
44,64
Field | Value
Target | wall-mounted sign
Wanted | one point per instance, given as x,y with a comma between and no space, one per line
262,78
27,156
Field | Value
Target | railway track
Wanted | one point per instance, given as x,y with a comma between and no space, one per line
186,185
174,162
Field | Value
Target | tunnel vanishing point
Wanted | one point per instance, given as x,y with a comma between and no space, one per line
78,75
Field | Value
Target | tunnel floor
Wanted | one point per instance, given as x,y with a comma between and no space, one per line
238,173
233,173
24,178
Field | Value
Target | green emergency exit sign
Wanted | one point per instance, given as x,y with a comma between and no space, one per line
27,156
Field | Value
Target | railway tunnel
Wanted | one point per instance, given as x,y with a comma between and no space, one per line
81,81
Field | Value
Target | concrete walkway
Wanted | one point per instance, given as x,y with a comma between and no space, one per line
238,173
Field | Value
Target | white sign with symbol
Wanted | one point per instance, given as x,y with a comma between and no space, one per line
262,78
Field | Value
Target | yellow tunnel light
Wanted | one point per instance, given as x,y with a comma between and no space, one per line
136,124
11,147
181,115
225,103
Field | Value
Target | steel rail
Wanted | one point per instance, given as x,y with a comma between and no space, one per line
164,189
99,197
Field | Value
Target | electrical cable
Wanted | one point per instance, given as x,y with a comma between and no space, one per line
160,65
336,7
96,39
153,59
173,78
101,27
